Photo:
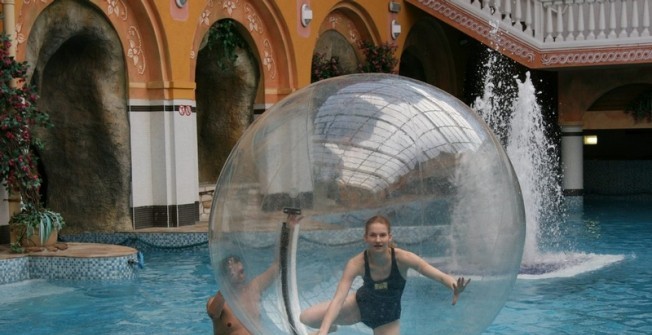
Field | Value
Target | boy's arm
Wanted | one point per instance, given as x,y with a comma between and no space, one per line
215,306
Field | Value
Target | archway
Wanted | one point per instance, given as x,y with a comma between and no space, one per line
617,163
429,57
332,44
226,93
80,75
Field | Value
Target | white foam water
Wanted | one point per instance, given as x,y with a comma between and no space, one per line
511,109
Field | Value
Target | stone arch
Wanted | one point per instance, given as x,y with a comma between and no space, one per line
225,97
145,62
427,56
332,44
79,69
619,97
608,110
269,37
579,90
349,23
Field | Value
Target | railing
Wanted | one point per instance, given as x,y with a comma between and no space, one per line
567,23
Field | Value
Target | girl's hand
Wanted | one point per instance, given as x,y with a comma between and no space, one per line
459,287
294,219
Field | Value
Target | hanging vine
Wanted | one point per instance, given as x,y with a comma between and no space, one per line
641,107
225,37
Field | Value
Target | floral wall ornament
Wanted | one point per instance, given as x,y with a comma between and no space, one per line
255,24
205,17
117,8
20,37
136,50
246,14
185,110
229,6
268,59
344,26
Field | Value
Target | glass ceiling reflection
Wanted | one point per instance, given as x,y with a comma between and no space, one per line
370,134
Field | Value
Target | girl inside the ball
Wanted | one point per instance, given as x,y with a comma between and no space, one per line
377,303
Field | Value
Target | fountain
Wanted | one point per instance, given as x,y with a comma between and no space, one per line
509,106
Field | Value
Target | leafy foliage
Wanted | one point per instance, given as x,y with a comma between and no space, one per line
224,35
641,107
19,117
378,58
45,220
323,68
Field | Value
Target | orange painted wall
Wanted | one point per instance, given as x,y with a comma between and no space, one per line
160,40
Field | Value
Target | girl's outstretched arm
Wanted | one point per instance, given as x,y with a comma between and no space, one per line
420,265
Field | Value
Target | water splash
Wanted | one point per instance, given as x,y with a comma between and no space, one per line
510,108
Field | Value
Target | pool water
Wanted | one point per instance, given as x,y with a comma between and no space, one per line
600,283
609,293
168,297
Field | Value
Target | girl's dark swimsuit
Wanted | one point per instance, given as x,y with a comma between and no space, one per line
380,301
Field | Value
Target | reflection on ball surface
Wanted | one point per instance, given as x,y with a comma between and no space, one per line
343,150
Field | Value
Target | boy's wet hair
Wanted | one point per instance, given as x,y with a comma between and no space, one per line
227,262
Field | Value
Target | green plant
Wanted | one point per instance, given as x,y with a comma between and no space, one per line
378,58
41,220
19,117
323,68
224,35
641,107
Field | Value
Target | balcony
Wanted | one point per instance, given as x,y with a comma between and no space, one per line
548,34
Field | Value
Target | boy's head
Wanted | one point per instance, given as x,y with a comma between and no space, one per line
232,267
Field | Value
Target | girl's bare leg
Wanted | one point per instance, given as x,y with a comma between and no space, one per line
349,314
392,328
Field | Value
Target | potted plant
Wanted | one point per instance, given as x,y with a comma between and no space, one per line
19,117
34,227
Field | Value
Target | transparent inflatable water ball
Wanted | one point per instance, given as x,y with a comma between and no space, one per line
342,150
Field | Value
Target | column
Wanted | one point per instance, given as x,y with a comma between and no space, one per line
572,159
164,163
9,26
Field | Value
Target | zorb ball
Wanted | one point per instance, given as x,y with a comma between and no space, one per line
345,149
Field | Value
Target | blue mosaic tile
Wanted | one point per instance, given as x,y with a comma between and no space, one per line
144,241
14,269
74,268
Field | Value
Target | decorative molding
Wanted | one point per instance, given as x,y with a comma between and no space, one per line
343,25
255,24
249,17
481,27
135,51
229,5
117,8
114,8
637,55
492,32
268,59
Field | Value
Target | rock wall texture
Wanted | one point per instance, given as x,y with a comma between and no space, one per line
80,73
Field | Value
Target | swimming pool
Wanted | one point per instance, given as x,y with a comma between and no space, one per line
605,287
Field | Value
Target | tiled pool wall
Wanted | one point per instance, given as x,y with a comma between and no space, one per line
24,267
74,268
144,241
14,269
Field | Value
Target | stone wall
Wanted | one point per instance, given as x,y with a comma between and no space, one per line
618,177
